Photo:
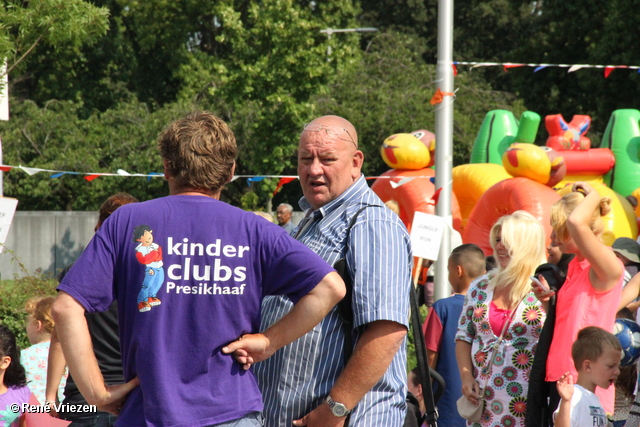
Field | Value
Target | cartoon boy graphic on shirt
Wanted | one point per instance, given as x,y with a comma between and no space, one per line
150,255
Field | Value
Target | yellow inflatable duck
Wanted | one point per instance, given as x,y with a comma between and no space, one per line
405,151
540,164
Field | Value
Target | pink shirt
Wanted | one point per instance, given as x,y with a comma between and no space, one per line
579,306
498,317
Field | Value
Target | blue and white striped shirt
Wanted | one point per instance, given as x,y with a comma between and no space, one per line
298,377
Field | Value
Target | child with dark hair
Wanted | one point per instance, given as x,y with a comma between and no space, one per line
596,355
466,263
13,381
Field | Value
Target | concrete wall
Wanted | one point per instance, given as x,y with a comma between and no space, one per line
49,241
45,241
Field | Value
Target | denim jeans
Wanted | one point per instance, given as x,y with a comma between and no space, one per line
254,419
100,419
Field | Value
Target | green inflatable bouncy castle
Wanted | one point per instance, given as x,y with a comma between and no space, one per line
499,130
622,137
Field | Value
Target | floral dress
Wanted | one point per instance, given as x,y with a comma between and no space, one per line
35,360
507,382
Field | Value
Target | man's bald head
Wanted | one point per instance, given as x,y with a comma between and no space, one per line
329,161
341,126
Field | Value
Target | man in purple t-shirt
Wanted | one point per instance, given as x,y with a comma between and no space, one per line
187,358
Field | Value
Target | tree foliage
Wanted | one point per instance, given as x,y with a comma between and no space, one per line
594,32
54,137
256,64
390,90
87,100
56,23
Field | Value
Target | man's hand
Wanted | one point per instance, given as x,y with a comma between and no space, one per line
250,349
115,396
321,417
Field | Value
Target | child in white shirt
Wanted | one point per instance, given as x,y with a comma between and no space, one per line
596,355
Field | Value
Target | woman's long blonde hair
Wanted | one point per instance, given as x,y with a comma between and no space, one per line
523,236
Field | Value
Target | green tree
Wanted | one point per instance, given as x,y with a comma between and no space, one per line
595,32
54,137
254,63
99,75
482,29
56,23
270,60
390,90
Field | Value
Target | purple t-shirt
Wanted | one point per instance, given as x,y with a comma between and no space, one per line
14,395
218,262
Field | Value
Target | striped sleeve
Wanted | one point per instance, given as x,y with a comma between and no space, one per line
381,270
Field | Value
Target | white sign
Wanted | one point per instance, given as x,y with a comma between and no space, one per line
426,235
7,209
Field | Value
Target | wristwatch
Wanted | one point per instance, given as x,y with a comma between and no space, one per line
337,409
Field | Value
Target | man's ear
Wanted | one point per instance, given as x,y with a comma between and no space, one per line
357,161
233,172
459,271
165,166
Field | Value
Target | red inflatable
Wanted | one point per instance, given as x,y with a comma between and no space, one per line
568,136
504,198
413,194
596,161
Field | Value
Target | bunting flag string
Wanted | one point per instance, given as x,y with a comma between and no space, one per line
537,67
283,179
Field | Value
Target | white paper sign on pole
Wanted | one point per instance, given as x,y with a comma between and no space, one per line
7,209
426,235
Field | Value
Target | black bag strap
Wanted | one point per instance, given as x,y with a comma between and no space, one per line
424,375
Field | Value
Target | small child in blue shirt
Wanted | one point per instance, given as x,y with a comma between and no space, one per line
466,263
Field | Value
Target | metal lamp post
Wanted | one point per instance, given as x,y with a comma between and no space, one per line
330,31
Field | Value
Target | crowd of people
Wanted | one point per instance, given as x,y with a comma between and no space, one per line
186,311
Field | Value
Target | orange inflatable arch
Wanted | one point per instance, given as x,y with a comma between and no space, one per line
504,198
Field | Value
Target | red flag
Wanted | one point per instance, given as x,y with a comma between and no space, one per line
5,168
505,67
455,70
91,177
282,182
607,71
436,196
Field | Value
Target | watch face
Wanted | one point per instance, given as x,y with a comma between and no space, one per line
339,410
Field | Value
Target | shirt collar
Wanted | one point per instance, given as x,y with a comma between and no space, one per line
355,188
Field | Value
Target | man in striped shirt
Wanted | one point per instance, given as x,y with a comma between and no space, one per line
307,382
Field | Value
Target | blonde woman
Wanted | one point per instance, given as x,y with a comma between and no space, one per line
592,290
503,297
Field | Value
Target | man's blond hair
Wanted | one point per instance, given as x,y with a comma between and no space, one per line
200,151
